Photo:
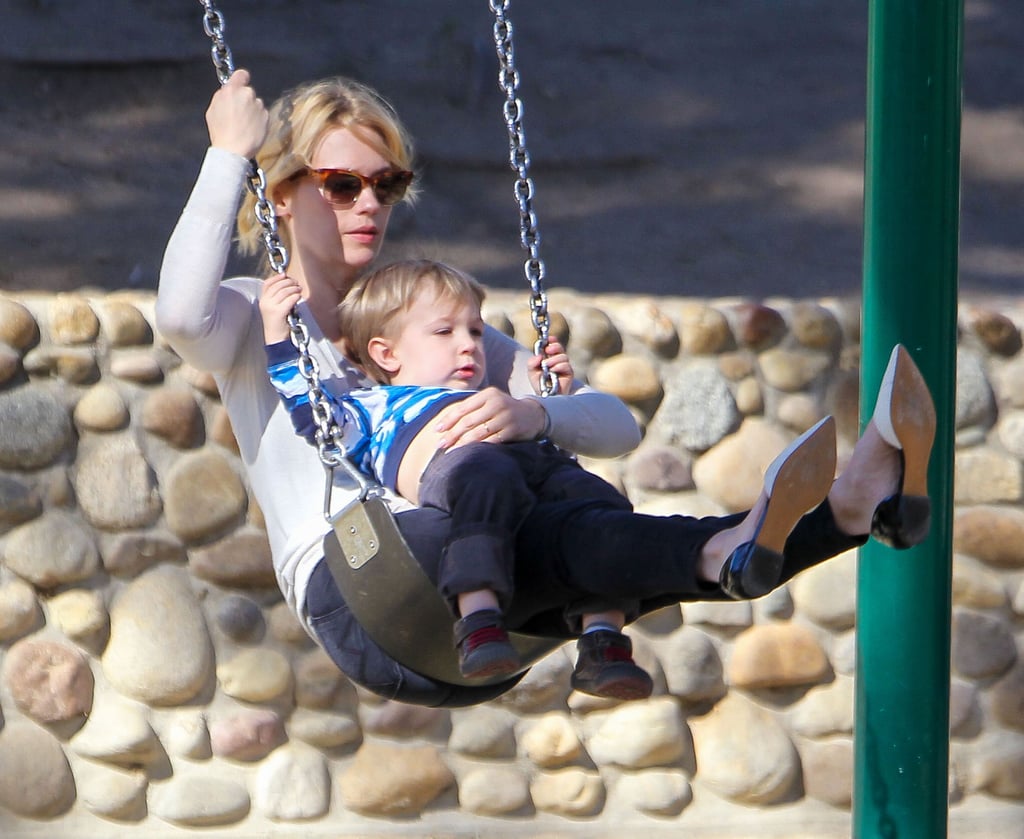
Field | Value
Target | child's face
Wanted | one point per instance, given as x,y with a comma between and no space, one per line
440,343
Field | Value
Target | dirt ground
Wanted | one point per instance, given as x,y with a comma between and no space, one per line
677,147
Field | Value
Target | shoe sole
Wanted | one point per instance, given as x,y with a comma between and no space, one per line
796,482
905,418
628,687
502,667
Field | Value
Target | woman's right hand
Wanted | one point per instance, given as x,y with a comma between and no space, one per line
237,119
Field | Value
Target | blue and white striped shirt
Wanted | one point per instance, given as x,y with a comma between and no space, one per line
377,423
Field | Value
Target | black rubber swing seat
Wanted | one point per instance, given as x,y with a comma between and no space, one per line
395,601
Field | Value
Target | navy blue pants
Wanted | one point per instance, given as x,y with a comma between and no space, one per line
488,492
566,552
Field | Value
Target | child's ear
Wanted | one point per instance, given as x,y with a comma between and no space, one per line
383,355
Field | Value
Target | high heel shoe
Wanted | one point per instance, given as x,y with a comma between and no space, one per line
905,418
797,481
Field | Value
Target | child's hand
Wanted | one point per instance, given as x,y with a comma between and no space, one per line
558,364
278,297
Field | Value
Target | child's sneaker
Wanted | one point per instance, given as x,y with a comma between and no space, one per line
605,667
483,646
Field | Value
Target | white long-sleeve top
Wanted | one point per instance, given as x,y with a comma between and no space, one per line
215,325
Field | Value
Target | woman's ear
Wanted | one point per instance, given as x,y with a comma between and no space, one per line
383,355
281,198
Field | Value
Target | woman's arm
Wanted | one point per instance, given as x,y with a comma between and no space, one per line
204,321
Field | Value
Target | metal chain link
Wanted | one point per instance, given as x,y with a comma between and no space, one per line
328,434
519,159
213,25
220,52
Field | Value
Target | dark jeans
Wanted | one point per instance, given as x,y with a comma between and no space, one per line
488,491
566,552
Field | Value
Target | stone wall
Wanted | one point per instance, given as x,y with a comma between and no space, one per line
152,679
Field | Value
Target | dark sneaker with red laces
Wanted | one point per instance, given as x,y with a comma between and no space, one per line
605,667
483,646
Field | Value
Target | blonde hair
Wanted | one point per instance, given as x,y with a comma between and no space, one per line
380,296
300,119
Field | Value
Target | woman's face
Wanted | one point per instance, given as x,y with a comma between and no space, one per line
335,243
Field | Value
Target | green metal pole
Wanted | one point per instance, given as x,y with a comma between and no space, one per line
912,198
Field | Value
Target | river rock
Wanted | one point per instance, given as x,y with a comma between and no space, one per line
34,427
118,732
52,550
324,729
551,741
200,798
484,732
18,328
173,414
656,792
81,615
35,778
116,487
982,646
101,409
203,496
159,650
743,752
394,781
777,655
640,735
293,784
248,735
112,793
575,793
49,682
255,675
19,610
995,535
494,791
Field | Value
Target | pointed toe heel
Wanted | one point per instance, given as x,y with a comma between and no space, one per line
905,418
902,521
751,571
796,482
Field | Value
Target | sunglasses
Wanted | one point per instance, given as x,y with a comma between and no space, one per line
342,188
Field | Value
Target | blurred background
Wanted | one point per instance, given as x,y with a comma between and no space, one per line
687,148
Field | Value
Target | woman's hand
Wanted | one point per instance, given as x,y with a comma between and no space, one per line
237,119
558,364
278,297
492,416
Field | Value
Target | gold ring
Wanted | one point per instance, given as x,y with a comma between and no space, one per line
487,429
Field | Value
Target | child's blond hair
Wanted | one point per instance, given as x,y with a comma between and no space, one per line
377,298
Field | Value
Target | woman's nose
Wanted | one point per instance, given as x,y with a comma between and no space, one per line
367,200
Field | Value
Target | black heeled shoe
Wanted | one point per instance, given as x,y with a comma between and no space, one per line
905,418
797,481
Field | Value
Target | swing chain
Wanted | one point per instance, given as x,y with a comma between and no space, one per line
213,25
329,443
256,181
328,434
519,159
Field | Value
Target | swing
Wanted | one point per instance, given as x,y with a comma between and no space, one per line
371,563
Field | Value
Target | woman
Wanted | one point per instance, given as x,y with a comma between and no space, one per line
334,155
